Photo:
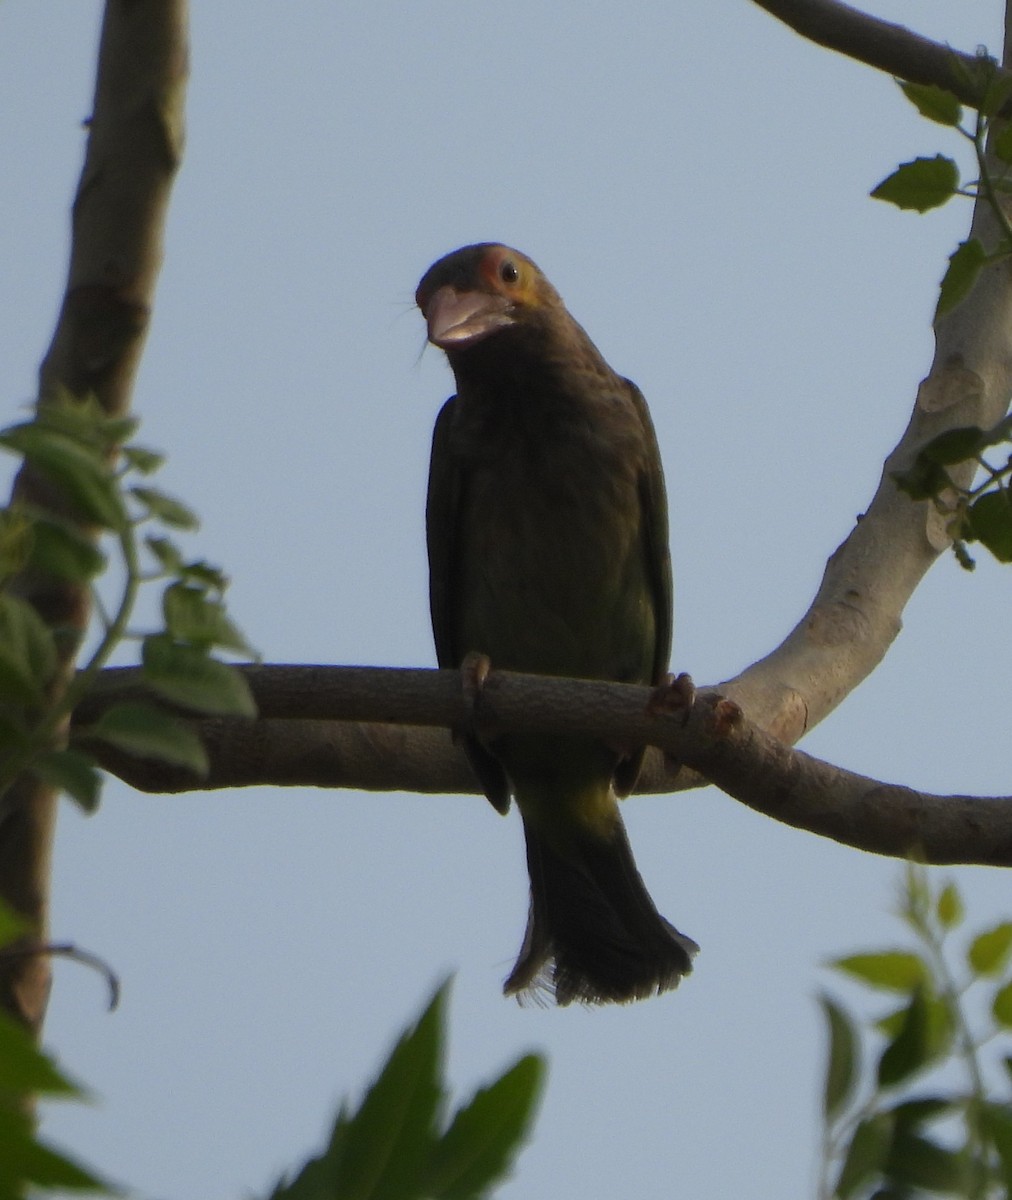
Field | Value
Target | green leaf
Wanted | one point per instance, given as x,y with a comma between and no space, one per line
191,616
17,685
840,1062
167,509
934,103
998,1123
922,184
144,461
188,677
64,551
1001,1006
909,1114
81,474
27,1163
922,479
27,651
949,906
147,732
1001,143
965,264
25,1070
990,521
915,1161
72,772
389,1139
166,552
888,970
911,1048
478,1149
939,1023
955,445
204,575
381,1151
997,92
866,1155
85,421
989,951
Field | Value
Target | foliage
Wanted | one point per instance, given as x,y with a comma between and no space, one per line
927,183
913,1113
397,1146
83,456
982,513
27,1074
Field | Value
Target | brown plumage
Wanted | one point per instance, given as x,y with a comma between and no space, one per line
547,540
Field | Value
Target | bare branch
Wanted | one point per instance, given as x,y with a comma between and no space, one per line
341,733
134,144
881,44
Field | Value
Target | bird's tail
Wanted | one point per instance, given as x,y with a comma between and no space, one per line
593,933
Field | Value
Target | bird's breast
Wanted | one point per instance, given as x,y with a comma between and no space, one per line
553,571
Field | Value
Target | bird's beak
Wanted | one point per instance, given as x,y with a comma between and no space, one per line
457,319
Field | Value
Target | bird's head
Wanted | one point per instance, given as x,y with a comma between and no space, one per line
478,291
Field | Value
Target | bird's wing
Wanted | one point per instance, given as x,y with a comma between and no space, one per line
654,507
441,518
442,526
655,523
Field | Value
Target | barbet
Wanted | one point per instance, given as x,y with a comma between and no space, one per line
547,539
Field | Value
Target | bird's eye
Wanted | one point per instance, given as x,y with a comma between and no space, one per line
508,272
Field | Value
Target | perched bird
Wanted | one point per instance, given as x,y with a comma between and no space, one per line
547,538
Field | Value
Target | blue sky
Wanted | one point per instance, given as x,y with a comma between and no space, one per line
694,181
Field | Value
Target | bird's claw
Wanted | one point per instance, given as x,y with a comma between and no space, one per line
674,697
474,672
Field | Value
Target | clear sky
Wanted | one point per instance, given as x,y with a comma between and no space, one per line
693,179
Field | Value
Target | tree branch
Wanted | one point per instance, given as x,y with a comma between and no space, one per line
869,579
134,145
377,728
881,44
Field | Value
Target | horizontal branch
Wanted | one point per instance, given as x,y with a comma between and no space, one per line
881,44
379,728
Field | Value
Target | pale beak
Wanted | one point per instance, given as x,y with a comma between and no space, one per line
456,319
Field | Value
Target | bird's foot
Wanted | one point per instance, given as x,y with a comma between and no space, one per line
674,697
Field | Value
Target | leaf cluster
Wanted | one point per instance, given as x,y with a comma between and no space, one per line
908,1112
926,183
101,508
398,1145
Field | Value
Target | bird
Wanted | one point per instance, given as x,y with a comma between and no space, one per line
547,539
